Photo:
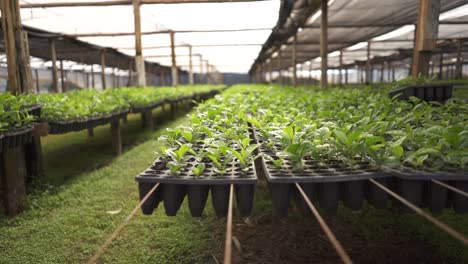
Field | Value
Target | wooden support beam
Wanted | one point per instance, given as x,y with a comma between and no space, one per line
90,132
324,45
139,60
93,83
441,65
459,64
340,79
426,36
346,75
201,68
294,61
191,79
116,137
53,55
103,68
174,71
38,87
280,66
33,152
62,78
13,180
368,64
382,69
207,75
130,74
147,120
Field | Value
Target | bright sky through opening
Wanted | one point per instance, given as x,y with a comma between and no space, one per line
74,20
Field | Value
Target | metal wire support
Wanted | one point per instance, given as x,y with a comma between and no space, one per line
228,242
116,232
333,240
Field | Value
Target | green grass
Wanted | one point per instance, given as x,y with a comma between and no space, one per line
67,221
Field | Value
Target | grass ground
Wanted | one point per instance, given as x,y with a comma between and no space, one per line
88,192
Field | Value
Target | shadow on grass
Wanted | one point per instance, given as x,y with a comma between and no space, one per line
69,155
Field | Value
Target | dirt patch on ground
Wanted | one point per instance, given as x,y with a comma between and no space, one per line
300,240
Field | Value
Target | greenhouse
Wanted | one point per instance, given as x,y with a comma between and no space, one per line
240,131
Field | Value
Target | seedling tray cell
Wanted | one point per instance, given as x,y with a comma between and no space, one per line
175,188
418,188
426,92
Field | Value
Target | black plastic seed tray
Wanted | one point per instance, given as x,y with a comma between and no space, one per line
33,110
173,189
143,108
426,92
418,188
63,127
15,138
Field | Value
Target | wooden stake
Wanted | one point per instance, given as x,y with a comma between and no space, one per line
280,66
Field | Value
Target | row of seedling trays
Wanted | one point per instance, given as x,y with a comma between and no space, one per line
327,184
62,127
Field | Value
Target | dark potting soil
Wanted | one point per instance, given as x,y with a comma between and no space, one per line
301,240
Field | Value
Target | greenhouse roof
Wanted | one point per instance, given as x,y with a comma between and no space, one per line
388,24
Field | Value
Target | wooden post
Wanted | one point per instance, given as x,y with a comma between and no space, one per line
93,84
116,137
16,49
33,154
207,70
368,64
280,66
389,71
147,119
38,88
13,180
201,68
191,79
103,68
382,68
426,36
174,72
340,79
139,61
53,56
294,61
130,74
90,132
441,65
393,73
459,65
346,76
310,72
324,45
62,78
